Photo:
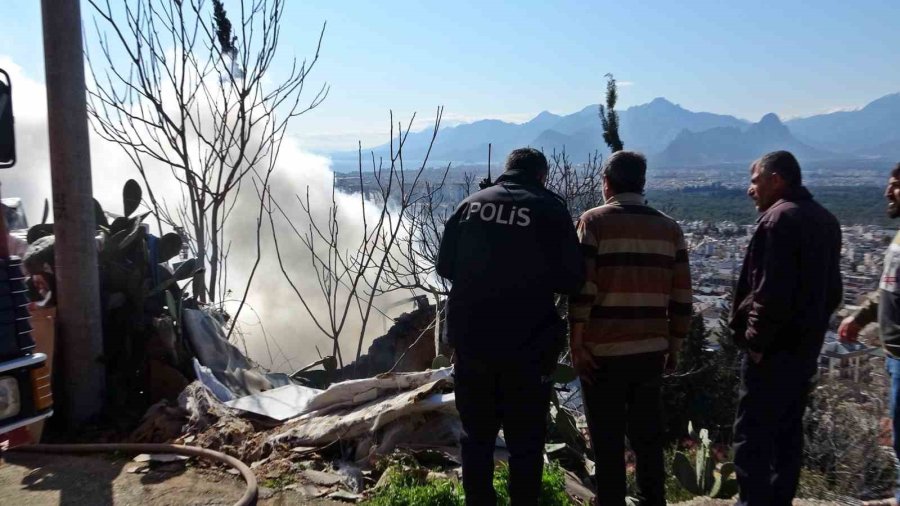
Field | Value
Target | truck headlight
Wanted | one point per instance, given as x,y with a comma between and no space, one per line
10,402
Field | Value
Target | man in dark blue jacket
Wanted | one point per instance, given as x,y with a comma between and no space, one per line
507,249
789,286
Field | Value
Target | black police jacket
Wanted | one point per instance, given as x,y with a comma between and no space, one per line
507,249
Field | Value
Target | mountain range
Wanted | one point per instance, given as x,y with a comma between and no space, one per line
671,136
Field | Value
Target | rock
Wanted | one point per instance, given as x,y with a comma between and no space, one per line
342,495
575,488
259,463
137,468
321,477
307,489
160,457
163,422
437,476
265,493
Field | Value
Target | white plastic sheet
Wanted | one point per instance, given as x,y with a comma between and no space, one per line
282,403
414,393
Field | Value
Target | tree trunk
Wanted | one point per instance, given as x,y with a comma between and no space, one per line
199,283
214,246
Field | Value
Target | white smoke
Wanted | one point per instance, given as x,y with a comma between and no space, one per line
30,178
277,330
293,339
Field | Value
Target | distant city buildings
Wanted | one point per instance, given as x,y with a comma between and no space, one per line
716,253
848,361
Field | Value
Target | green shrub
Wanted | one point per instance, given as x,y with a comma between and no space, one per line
407,487
410,489
553,486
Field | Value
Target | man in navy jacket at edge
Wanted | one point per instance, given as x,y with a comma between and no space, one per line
507,250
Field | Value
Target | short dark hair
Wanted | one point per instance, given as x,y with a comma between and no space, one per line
782,163
626,171
895,172
527,161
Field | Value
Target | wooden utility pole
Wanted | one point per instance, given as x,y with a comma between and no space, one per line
80,341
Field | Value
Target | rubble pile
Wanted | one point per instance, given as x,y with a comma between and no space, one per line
343,434
333,441
408,346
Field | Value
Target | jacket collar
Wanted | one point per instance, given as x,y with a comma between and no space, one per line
627,199
514,176
793,195
528,181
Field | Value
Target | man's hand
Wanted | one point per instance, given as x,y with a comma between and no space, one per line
584,363
671,362
848,331
755,356
582,358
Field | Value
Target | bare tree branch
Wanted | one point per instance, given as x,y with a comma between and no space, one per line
173,96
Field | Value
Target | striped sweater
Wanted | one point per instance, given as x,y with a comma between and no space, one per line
637,297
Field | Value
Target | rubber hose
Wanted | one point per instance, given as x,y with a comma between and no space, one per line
250,493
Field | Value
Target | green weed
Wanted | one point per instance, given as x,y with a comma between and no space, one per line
408,488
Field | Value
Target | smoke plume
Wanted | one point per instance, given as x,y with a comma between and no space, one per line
276,330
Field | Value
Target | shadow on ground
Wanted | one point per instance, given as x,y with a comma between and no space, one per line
34,479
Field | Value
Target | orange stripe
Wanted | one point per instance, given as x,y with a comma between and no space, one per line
618,331
630,226
633,280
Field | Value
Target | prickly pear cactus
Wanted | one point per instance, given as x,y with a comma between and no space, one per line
702,478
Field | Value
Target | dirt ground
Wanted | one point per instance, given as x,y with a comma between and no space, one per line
28,479
42,480
719,502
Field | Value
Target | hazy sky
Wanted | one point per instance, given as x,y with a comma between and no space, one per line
511,60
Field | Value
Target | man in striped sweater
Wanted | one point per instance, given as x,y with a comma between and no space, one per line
628,324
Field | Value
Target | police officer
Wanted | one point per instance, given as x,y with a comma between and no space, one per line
507,249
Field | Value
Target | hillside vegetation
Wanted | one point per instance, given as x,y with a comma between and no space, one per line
853,205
